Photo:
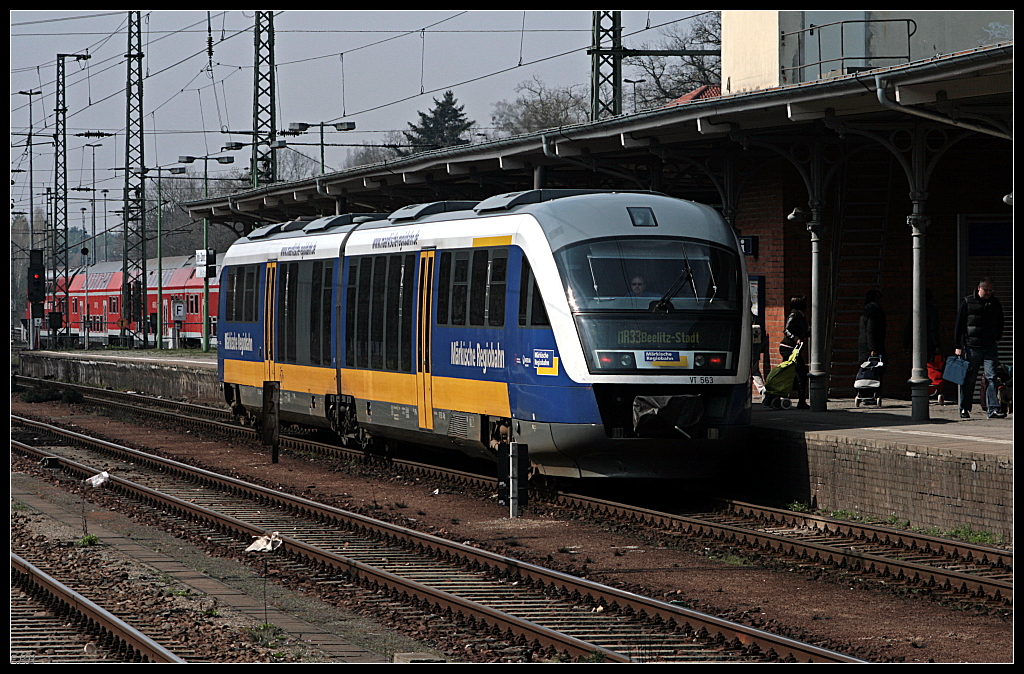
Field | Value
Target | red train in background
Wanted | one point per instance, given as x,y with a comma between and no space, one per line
96,306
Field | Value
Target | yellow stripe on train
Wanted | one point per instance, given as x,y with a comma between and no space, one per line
297,378
449,393
488,241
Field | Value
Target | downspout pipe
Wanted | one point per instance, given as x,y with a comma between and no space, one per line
880,84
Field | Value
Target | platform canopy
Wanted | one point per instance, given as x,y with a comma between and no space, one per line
679,149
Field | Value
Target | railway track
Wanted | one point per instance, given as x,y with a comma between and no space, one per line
52,623
907,559
895,558
547,613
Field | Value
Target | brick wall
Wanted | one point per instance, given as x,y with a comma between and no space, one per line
931,488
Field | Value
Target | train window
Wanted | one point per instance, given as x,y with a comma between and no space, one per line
231,295
538,313
627,274
531,305
444,278
460,288
316,314
377,313
249,295
478,288
496,289
326,288
350,315
112,303
392,314
363,313
288,292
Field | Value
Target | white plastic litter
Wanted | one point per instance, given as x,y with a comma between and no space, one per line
265,543
98,480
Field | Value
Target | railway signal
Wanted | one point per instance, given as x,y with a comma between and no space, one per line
36,277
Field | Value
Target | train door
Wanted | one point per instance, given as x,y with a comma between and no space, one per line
269,322
424,342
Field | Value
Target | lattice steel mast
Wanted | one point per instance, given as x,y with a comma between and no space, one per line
606,66
133,288
264,113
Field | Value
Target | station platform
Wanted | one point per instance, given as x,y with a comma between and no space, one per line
942,474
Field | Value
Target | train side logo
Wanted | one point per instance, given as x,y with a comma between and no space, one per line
237,342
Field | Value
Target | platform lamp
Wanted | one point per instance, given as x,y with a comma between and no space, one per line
188,159
295,128
634,83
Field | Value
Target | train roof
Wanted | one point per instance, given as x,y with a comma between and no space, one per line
565,217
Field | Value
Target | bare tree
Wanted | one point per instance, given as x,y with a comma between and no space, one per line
376,154
669,77
293,165
540,107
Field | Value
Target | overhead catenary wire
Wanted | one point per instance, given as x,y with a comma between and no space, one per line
96,68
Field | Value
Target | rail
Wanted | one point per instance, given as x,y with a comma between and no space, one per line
27,575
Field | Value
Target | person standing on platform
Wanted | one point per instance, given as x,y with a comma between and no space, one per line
871,341
795,334
976,335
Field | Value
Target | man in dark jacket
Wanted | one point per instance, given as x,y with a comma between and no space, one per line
979,327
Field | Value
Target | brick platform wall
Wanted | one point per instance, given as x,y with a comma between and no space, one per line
930,488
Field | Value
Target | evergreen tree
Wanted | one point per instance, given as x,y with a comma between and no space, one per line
443,126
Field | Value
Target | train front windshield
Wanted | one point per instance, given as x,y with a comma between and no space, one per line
660,305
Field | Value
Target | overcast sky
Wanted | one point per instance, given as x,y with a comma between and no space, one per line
374,68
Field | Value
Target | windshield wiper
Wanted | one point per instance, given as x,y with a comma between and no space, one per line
686,275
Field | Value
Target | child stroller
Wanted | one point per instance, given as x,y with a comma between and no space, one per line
779,383
869,379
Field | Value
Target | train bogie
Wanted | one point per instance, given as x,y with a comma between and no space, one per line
518,318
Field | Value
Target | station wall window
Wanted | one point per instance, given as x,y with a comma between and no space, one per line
471,287
379,312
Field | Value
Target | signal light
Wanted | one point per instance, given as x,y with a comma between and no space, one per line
36,284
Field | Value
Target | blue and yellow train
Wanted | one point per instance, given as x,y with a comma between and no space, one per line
608,332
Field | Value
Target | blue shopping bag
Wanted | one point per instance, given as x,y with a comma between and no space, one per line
956,370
